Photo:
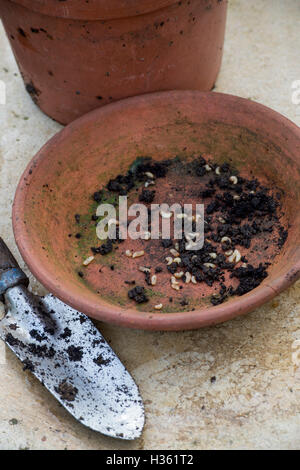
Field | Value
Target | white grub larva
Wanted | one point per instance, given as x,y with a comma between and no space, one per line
175,286
174,252
158,306
209,265
166,215
148,183
238,256
236,197
128,253
143,269
231,259
188,277
87,261
179,275
173,280
221,220
149,175
169,260
228,253
153,280
213,255
244,265
233,180
235,257
137,254
218,170
177,260
193,279
226,240
207,167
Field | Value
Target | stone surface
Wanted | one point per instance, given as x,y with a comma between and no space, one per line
254,401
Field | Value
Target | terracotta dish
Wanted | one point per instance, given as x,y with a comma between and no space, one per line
80,159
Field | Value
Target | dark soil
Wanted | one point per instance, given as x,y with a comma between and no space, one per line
138,294
242,209
66,334
27,365
146,196
100,361
41,351
66,391
35,334
75,353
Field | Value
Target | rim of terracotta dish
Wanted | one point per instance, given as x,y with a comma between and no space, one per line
129,317
95,9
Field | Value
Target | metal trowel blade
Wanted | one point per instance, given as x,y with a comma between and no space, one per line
66,352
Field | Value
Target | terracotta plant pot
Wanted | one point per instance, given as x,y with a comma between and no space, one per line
60,180
76,56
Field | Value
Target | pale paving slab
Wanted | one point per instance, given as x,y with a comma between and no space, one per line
254,402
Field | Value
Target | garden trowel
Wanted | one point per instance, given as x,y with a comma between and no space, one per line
66,352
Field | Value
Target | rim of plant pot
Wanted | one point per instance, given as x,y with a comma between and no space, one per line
94,9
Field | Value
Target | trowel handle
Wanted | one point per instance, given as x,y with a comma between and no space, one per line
11,274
